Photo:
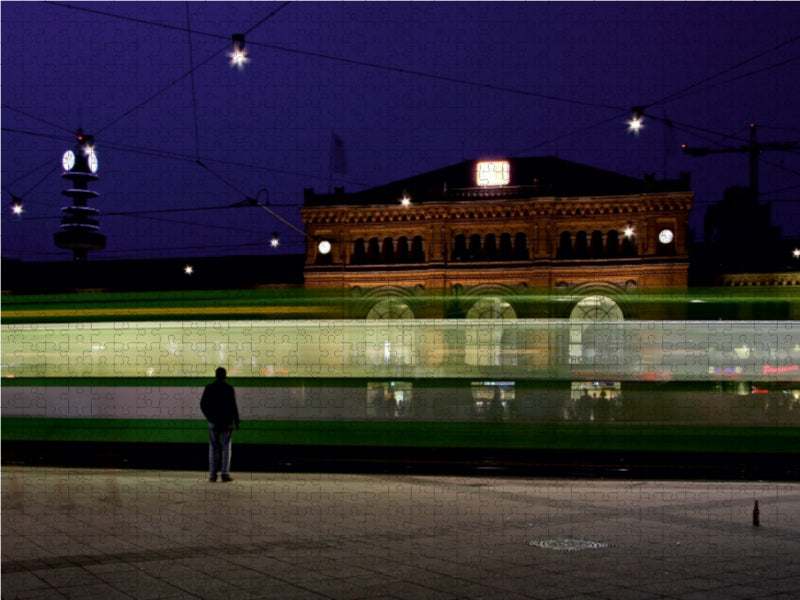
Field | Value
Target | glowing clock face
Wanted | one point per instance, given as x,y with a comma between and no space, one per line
92,160
68,160
665,236
324,247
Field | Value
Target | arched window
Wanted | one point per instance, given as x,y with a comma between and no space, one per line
490,247
628,246
491,308
581,245
596,345
521,247
493,342
417,250
564,245
390,308
390,344
474,251
387,250
597,244
373,251
612,244
593,341
460,250
403,255
505,247
359,256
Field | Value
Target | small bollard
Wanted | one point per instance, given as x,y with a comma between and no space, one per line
756,515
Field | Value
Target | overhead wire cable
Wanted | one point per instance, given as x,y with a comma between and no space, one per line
252,201
49,136
181,157
372,65
183,76
571,133
39,119
683,91
742,76
7,187
194,92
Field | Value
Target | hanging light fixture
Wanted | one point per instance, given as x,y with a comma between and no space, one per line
636,122
16,205
239,55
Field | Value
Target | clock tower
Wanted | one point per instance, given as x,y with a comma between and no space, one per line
79,227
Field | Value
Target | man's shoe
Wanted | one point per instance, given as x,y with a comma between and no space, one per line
212,479
226,478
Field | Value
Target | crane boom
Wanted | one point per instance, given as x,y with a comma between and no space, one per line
753,148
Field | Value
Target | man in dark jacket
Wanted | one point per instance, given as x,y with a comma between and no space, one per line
219,407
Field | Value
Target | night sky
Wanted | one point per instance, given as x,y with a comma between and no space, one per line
407,88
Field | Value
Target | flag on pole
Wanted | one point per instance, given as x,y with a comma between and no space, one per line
338,159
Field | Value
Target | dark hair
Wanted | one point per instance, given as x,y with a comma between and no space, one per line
221,373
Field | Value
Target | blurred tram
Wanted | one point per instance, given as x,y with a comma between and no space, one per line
314,371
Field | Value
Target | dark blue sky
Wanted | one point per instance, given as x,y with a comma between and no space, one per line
407,88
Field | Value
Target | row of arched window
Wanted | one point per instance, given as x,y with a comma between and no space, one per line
375,251
492,247
584,245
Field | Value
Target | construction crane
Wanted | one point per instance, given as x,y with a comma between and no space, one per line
753,148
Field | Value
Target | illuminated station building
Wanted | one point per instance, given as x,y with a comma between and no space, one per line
502,226
499,240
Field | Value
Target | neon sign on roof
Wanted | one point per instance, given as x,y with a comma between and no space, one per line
492,172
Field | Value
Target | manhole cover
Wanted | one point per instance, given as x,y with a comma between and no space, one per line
568,544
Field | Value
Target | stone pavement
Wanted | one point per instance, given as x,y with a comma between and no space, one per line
111,534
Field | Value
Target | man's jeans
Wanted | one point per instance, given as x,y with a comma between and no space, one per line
219,450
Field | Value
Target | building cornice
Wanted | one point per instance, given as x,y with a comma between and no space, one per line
494,208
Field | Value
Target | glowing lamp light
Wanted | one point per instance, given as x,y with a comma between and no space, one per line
628,231
239,55
405,201
796,252
274,242
636,122
188,269
16,206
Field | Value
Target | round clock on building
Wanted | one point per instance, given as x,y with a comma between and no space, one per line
665,236
68,160
92,160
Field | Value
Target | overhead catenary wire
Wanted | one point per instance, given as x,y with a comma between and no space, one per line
194,92
183,76
692,87
177,156
361,63
208,160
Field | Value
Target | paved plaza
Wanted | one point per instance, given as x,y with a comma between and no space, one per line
115,534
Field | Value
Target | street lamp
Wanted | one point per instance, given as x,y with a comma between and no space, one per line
239,55
636,122
16,205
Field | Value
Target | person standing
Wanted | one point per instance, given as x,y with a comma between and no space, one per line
218,404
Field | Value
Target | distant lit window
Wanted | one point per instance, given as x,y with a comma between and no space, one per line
495,172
